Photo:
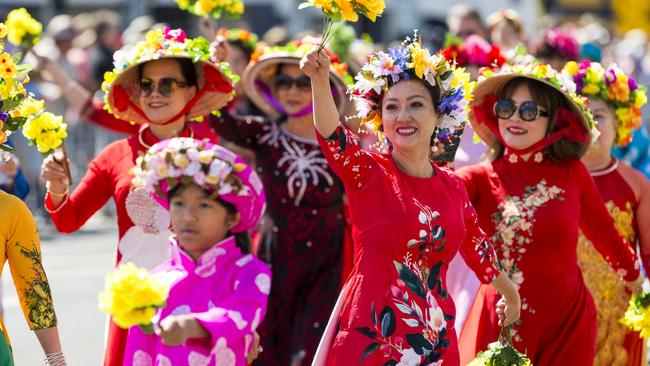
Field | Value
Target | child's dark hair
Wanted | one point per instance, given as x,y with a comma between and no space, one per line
242,240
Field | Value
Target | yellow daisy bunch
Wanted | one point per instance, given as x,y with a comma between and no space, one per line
637,315
213,8
615,88
46,131
132,295
23,30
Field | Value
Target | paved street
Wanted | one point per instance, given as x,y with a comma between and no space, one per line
75,265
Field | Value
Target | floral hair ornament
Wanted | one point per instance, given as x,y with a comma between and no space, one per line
574,123
215,79
407,61
336,11
247,38
213,8
616,89
474,50
259,76
182,161
561,42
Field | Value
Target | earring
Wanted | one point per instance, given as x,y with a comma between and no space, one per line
434,145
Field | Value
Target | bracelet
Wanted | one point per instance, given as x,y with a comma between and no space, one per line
56,194
55,359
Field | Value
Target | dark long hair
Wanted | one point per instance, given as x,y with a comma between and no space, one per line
242,240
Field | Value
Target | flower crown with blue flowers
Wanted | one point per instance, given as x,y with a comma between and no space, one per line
404,62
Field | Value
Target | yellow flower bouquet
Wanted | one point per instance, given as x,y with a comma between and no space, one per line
132,295
213,8
501,353
47,132
344,10
24,31
637,315
13,97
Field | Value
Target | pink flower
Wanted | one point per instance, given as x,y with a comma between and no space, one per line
177,34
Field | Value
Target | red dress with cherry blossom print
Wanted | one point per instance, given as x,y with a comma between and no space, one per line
305,245
406,230
142,223
533,210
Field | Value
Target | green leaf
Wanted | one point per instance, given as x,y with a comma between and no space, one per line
147,329
434,275
372,347
387,318
367,332
6,148
419,344
373,314
411,280
304,5
17,57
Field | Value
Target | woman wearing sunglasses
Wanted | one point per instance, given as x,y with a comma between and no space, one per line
156,85
304,239
533,198
615,101
409,217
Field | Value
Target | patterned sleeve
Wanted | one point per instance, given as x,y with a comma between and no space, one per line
476,249
244,131
642,220
346,158
23,249
233,321
598,226
94,190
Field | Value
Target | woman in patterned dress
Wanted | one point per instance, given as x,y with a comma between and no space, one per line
409,217
531,199
615,101
303,243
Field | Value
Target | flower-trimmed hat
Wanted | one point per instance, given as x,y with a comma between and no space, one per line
616,89
182,160
247,38
260,74
574,124
557,41
403,63
474,50
215,79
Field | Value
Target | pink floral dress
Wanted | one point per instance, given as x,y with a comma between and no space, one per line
225,290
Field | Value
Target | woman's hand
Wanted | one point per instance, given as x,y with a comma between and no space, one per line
255,349
508,311
636,285
176,329
54,174
316,65
10,166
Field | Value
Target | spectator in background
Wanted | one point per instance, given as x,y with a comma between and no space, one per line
109,40
464,20
12,179
507,31
556,47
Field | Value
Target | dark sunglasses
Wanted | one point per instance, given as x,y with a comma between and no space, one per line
284,82
165,86
528,110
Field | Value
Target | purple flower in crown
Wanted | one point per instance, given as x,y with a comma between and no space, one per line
3,116
632,84
451,102
610,77
401,56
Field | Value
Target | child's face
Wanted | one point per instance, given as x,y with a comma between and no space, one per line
198,221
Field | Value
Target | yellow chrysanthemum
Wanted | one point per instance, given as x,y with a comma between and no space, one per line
30,106
131,295
347,10
421,60
20,24
571,68
47,131
326,5
3,30
641,99
374,8
591,89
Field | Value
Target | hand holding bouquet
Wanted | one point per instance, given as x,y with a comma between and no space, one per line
501,353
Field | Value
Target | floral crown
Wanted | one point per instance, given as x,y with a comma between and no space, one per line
562,42
184,161
562,82
161,43
615,88
402,63
246,37
473,51
299,49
